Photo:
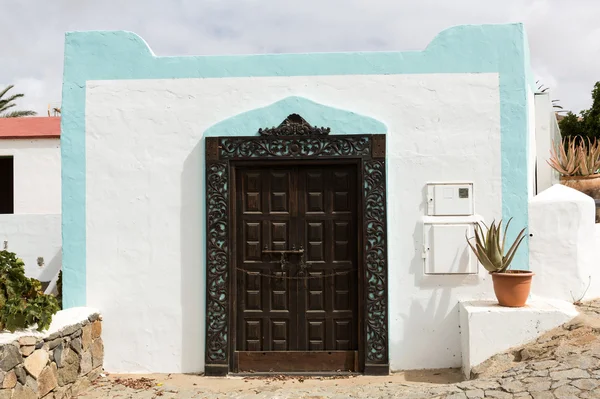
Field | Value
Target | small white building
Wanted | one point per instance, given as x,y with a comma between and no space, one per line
30,193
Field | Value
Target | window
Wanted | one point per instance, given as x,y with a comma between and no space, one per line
7,191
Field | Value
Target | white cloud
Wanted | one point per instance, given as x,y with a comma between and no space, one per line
565,50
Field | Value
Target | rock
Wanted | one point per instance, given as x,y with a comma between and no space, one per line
35,363
70,330
54,343
76,334
513,387
457,395
58,355
10,380
76,345
10,356
86,363
80,385
540,373
96,329
560,383
539,386
523,395
569,374
583,362
97,352
24,392
474,394
27,341
69,371
21,374
27,350
32,383
63,393
542,395
485,385
530,353
587,384
86,337
5,393
548,364
94,317
566,392
47,380
498,395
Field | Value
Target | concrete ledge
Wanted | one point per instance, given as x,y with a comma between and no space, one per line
487,328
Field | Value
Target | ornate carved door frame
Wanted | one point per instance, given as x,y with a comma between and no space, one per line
295,140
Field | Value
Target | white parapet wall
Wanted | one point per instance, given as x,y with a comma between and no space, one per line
564,244
487,328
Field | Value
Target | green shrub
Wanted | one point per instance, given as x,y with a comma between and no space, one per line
22,301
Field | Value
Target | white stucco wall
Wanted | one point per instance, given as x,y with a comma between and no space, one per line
33,236
532,157
144,167
36,174
546,130
34,230
564,246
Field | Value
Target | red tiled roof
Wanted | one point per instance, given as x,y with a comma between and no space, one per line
30,128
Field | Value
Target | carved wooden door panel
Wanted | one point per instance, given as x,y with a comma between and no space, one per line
297,280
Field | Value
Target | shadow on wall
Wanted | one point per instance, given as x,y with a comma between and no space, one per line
434,311
192,261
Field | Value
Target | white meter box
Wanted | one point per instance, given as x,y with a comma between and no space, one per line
445,248
449,199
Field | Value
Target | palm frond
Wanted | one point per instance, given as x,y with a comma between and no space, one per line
18,114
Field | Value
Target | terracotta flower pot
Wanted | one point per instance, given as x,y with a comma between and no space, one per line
589,185
512,287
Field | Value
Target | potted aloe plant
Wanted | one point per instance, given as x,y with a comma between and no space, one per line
578,162
511,287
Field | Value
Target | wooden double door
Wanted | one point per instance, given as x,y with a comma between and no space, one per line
296,304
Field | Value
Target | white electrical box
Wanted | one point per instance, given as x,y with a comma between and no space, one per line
445,248
450,199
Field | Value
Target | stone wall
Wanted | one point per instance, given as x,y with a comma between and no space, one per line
55,364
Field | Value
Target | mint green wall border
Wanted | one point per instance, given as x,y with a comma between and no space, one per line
124,55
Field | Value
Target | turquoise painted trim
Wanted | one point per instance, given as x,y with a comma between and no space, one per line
124,55
340,121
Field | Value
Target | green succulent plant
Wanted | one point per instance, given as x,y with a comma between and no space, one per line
489,249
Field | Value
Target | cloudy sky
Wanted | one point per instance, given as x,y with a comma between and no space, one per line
564,35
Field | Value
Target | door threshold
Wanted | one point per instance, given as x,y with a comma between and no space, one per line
297,374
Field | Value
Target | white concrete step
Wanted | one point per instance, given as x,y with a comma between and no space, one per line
487,328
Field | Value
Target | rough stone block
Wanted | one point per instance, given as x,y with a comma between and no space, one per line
47,380
32,383
97,352
96,329
54,343
70,329
58,355
24,392
5,393
27,350
69,371
86,362
86,337
35,363
21,374
10,380
26,341
10,356
76,345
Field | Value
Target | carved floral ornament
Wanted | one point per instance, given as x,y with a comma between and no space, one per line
295,125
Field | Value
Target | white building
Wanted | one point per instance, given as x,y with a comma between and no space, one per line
30,193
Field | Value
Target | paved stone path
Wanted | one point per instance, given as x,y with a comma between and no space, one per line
562,364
